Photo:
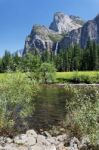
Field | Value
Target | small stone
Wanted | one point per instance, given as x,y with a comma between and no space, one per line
31,133
2,140
9,140
62,129
61,138
47,134
85,140
83,147
74,141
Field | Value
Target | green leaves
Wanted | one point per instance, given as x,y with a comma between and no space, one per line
47,72
83,107
16,99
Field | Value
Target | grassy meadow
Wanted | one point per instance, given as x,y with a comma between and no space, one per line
78,76
72,77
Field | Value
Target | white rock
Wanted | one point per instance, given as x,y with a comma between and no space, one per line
61,138
20,139
51,147
31,133
23,148
2,140
52,140
38,147
42,140
60,146
10,147
31,141
9,140
1,148
85,140
74,141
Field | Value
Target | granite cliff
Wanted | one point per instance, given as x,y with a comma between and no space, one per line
64,31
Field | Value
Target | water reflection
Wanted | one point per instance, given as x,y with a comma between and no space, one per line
49,108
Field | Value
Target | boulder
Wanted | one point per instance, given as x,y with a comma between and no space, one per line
20,139
31,133
31,141
42,140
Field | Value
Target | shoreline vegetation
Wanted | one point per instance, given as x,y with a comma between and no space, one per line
73,77
17,102
78,77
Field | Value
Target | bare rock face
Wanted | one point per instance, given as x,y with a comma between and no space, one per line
42,38
71,39
89,31
77,20
63,32
38,39
64,23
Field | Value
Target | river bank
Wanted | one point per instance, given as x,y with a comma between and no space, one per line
44,141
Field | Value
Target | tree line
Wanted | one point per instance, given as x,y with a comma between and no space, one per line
73,58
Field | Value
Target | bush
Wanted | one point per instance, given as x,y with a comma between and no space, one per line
16,99
82,105
47,73
81,78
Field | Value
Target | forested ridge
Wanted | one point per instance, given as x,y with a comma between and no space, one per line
72,58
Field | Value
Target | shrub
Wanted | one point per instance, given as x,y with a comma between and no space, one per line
16,99
82,105
47,73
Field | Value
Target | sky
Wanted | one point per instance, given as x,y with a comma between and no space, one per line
18,16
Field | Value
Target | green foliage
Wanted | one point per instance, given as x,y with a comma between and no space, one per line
16,99
47,72
88,77
30,62
55,38
82,105
73,58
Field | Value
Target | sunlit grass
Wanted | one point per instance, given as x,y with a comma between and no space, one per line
69,75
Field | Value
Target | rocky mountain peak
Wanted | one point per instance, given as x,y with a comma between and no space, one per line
97,18
77,19
64,23
63,32
59,16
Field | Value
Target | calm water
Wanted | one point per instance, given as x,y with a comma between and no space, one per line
49,107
